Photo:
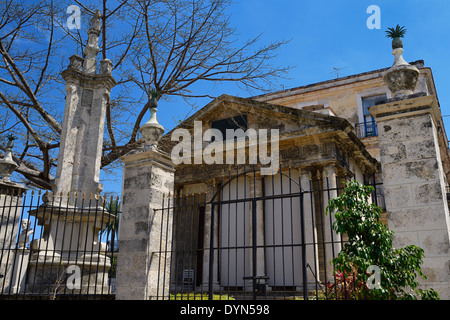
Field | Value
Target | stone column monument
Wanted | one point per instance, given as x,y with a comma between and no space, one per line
84,119
73,213
143,270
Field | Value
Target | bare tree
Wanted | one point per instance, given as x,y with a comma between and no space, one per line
162,46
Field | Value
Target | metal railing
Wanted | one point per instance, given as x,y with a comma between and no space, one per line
57,248
366,129
266,239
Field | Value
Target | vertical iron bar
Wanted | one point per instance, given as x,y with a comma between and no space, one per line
184,240
254,244
39,244
313,228
331,232
167,239
293,245
321,215
191,233
99,254
155,212
236,242
228,232
273,234
244,233
201,250
303,241
283,261
77,251
41,231
211,254
63,237
176,233
54,244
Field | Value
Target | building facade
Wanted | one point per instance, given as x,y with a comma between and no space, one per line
327,133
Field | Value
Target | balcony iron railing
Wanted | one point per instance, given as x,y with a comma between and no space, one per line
366,129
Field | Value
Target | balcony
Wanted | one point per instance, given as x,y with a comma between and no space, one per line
366,129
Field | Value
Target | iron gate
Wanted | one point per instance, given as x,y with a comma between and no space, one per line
253,237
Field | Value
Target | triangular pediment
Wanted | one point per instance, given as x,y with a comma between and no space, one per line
304,138
259,115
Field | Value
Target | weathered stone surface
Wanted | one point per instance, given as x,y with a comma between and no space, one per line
413,180
402,77
428,193
399,196
402,80
434,242
148,179
426,218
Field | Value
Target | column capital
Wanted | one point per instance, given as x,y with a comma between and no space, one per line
305,173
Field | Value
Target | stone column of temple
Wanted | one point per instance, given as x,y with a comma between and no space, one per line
332,239
256,189
211,189
310,225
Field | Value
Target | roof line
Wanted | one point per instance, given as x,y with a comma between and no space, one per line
418,63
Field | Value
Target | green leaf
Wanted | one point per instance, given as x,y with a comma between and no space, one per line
370,243
397,32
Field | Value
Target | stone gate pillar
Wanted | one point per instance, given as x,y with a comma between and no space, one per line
414,185
145,232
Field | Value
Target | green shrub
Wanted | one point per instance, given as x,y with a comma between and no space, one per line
370,244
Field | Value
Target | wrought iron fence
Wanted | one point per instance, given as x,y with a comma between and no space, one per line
59,248
253,237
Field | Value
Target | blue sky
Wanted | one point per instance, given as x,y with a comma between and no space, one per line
326,34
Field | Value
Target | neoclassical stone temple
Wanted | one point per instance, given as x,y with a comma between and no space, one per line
311,146
383,125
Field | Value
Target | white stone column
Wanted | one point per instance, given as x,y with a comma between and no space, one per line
210,191
256,184
332,239
21,258
310,224
414,186
82,136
